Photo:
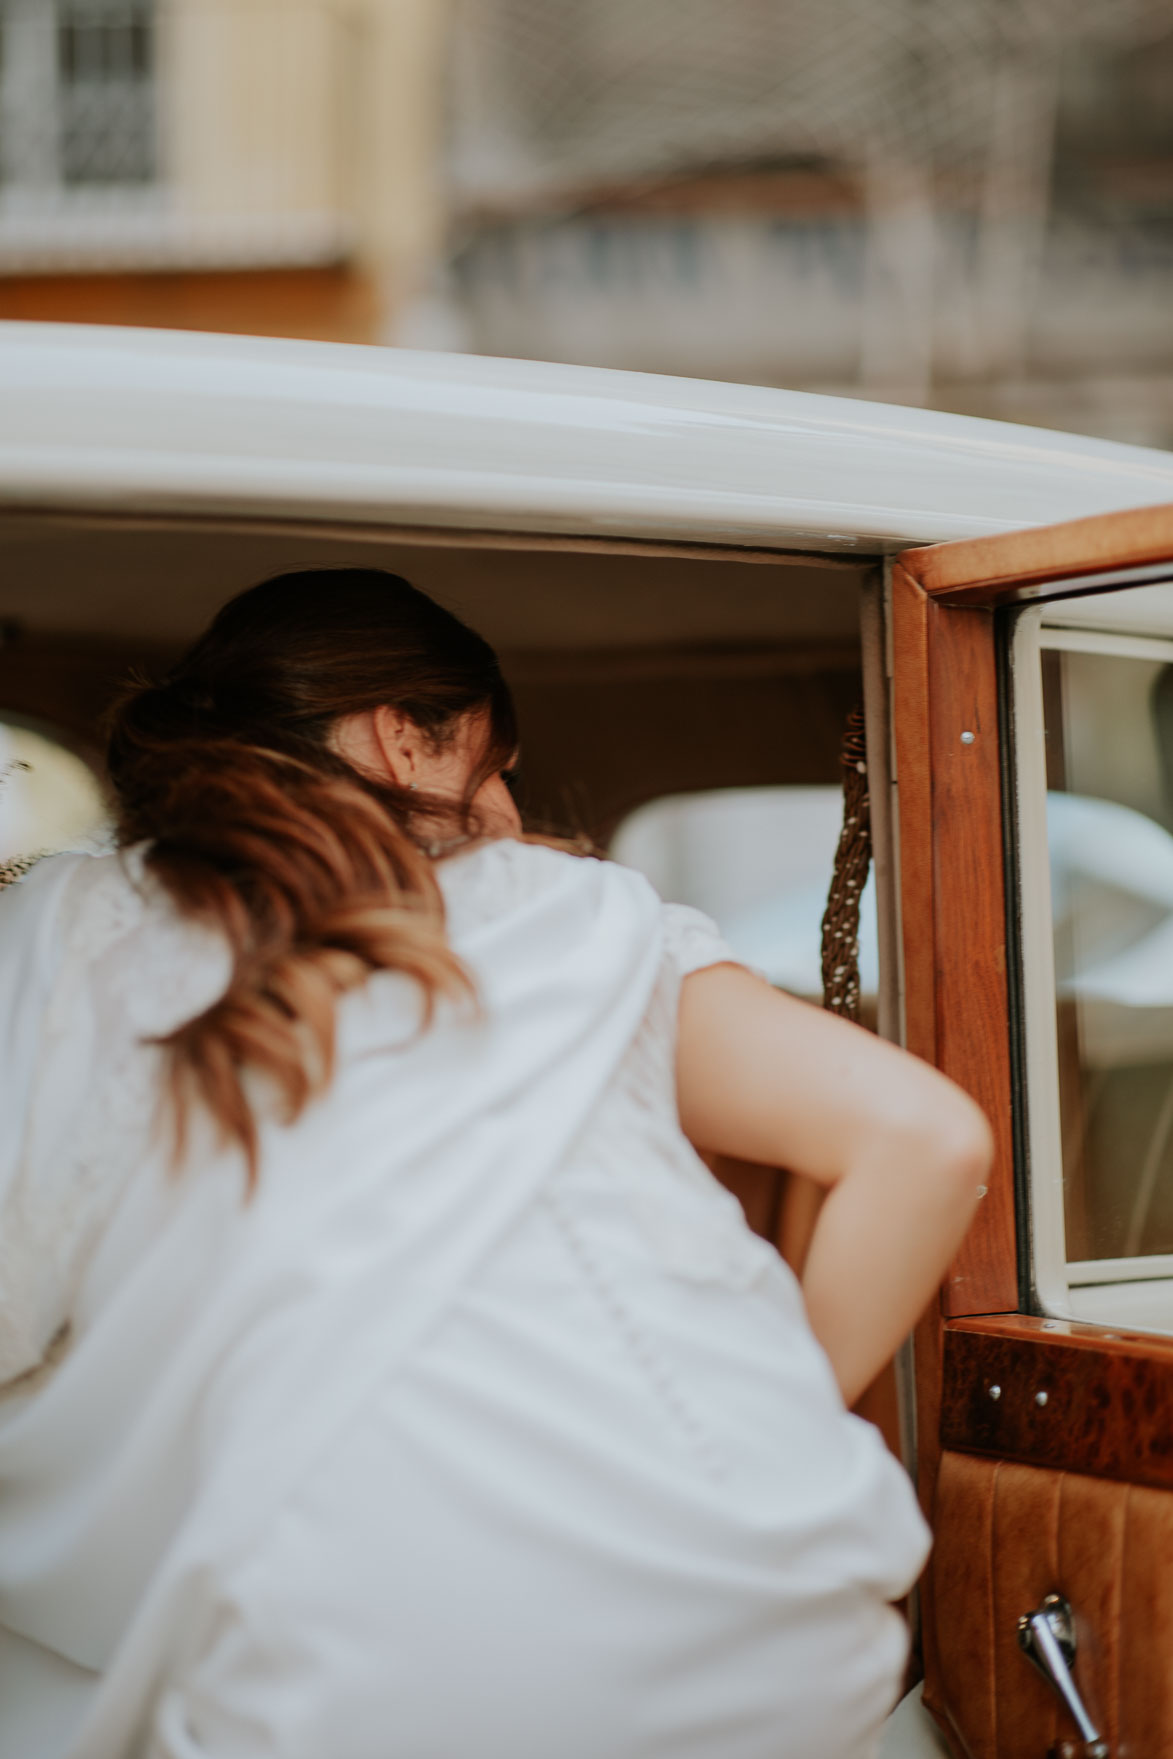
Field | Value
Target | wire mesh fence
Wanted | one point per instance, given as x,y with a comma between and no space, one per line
556,97
942,114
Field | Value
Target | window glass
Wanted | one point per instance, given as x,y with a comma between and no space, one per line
759,861
105,91
1109,748
77,96
49,797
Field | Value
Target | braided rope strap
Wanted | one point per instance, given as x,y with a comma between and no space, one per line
16,868
852,860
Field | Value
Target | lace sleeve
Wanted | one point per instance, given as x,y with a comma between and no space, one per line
692,940
94,969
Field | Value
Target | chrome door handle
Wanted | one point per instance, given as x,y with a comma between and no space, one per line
1047,1638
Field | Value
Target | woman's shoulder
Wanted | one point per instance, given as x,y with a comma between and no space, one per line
492,879
692,940
27,876
35,894
91,913
95,893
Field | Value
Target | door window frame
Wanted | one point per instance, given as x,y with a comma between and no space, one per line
1057,1283
997,1382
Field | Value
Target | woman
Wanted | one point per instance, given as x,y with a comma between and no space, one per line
388,1379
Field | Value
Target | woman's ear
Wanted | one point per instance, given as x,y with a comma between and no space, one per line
398,744
382,743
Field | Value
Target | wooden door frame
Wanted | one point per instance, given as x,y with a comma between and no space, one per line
950,758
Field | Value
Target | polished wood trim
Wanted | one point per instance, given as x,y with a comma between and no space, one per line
1108,1404
913,766
1023,564
953,927
969,910
1076,1334
952,899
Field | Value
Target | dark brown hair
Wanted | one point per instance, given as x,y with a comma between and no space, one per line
315,874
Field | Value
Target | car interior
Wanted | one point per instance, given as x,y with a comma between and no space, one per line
639,670
642,673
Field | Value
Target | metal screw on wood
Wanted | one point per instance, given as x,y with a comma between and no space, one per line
995,1393
968,738
1040,1398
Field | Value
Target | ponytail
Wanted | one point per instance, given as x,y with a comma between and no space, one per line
313,873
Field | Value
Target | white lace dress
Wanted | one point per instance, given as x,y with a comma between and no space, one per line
487,1429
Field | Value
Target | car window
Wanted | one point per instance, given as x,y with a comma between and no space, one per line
50,798
759,862
1095,812
1109,733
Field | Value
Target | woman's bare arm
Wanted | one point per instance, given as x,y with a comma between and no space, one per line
767,1078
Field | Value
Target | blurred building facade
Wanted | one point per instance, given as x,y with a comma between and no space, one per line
248,165
965,203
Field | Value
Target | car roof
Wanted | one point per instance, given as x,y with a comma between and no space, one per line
182,423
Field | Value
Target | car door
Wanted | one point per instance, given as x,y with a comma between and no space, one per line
1033,871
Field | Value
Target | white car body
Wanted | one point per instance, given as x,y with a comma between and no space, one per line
154,421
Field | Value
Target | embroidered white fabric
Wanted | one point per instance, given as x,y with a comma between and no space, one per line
127,971
486,1426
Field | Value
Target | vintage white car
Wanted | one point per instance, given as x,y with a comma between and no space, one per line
691,584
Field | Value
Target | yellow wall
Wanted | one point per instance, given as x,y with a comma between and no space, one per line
300,147
401,188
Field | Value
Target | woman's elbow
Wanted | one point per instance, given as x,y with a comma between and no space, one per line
969,1136
957,1142
938,1133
